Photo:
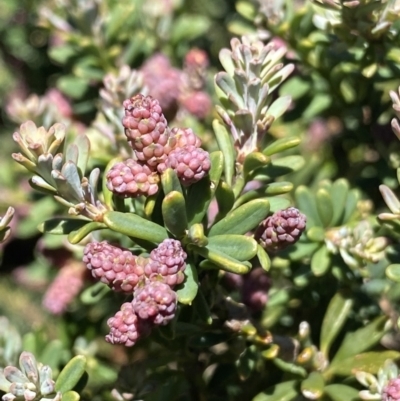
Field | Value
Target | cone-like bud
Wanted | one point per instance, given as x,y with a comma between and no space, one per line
391,392
146,129
282,229
254,290
65,287
184,137
190,163
155,302
125,327
131,179
197,103
115,266
167,263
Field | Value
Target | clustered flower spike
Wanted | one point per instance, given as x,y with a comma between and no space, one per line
112,265
156,147
282,229
167,263
150,280
33,381
131,179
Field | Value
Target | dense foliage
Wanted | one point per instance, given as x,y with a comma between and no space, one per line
199,200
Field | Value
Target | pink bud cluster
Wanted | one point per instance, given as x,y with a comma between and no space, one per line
151,281
156,147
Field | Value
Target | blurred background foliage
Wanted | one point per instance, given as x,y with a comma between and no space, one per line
55,57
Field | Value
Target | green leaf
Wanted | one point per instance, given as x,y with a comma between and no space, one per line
369,362
361,340
279,106
336,315
239,247
83,145
74,237
278,203
341,392
351,205
62,225
225,198
170,181
306,203
196,235
254,161
187,291
316,234
71,374
135,226
296,87
243,219
222,260
174,213
313,386
71,396
278,188
280,145
72,86
94,293
224,141
393,272
107,194
263,258
324,206
320,261
187,27
339,191
285,391
282,166
201,193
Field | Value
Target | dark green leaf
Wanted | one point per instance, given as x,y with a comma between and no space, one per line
174,213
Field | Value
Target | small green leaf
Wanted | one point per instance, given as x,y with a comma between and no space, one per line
279,167
71,396
224,141
320,261
187,27
223,261
390,198
239,247
324,206
243,219
361,340
336,315
187,291
225,198
281,145
369,362
351,205
170,181
306,203
278,188
135,226
338,191
254,161
316,234
393,272
285,391
74,237
313,386
73,86
196,235
263,258
279,106
200,194
62,225
71,374
174,213
341,392
278,203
